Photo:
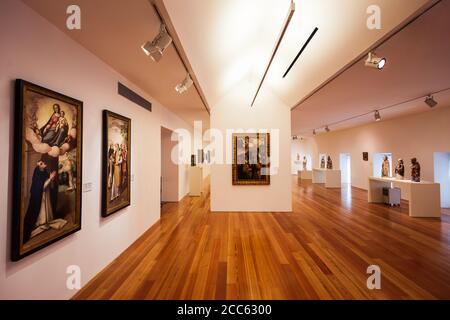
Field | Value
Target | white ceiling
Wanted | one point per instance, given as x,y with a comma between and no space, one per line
418,64
226,41
229,40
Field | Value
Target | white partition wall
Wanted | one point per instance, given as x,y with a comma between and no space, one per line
233,112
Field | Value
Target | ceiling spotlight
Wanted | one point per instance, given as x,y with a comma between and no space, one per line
156,48
294,137
430,101
377,115
314,132
185,85
327,129
375,62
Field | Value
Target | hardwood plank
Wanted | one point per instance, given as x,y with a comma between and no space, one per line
319,251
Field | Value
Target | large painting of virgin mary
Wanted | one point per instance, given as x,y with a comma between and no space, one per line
251,159
116,187
47,184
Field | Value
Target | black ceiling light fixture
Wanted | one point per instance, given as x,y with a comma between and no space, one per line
377,116
301,51
429,100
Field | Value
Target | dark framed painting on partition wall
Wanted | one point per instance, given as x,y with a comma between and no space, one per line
251,159
365,156
47,168
116,186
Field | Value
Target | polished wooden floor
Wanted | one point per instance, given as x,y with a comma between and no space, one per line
320,251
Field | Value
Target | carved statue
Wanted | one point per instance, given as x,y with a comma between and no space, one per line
400,170
322,163
329,163
386,167
305,163
415,170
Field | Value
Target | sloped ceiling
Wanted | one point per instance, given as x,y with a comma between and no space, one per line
418,64
226,41
114,31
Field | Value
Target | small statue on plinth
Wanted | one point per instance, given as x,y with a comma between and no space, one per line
305,163
322,163
400,170
415,170
385,168
329,163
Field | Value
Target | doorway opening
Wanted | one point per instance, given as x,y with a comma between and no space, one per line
169,168
378,159
442,176
345,166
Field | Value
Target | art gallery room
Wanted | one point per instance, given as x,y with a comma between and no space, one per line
225,150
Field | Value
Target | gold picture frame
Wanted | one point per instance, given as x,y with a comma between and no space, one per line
251,159
47,168
116,166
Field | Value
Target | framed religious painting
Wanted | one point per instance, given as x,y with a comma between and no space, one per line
365,156
116,166
251,159
47,168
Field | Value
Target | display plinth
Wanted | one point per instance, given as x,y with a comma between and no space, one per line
195,181
304,174
424,197
331,178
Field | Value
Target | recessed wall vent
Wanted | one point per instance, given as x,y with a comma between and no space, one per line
133,96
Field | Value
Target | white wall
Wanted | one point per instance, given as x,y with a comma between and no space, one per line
33,49
234,112
418,135
297,165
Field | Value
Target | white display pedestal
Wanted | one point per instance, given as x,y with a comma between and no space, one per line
195,181
331,178
424,197
304,175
